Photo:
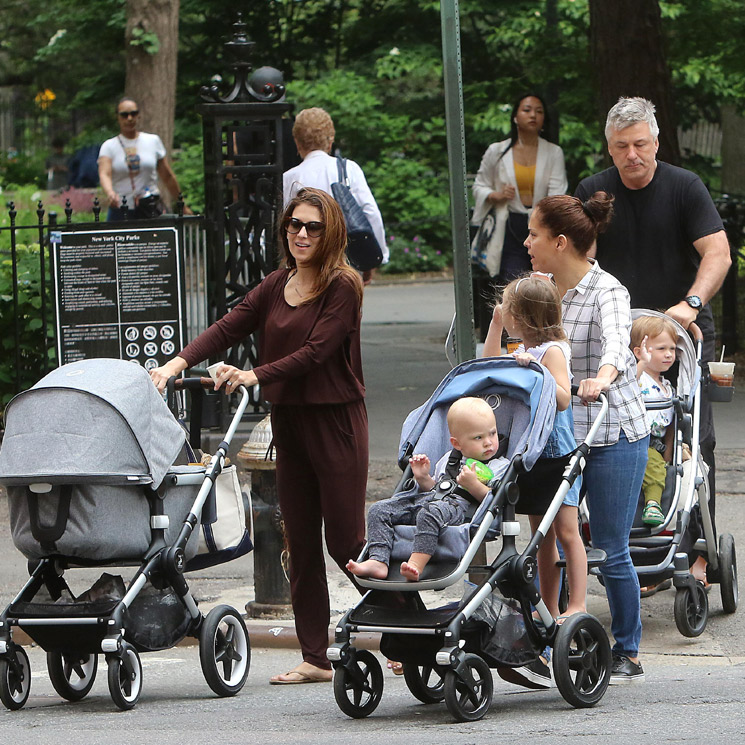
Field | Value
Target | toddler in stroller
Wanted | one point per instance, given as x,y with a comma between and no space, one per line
459,484
447,652
89,459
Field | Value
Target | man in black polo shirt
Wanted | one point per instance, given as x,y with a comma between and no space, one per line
666,242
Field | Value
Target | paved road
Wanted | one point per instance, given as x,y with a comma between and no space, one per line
687,700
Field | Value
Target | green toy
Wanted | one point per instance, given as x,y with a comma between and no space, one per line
483,472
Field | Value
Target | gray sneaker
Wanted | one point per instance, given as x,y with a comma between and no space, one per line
623,670
535,675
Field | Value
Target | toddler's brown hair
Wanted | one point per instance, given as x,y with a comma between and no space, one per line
651,326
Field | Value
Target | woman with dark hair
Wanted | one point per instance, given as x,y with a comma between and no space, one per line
596,314
307,316
130,164
513,176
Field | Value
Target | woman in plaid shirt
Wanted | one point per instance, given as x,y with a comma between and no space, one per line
597,319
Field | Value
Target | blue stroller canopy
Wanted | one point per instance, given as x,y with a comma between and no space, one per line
530,393
91,421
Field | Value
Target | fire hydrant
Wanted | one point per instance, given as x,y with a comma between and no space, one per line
272,588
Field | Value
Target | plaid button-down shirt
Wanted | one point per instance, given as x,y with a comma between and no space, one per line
597,320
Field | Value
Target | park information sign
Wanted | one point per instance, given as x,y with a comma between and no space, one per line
118,294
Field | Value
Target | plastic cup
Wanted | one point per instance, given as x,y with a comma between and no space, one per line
513,344
212,370
722,373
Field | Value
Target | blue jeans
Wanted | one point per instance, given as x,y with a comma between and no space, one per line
613,479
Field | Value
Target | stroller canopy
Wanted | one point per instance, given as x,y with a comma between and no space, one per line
94,421
526,394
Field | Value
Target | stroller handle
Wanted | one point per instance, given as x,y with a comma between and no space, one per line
695,332
190,383
603,401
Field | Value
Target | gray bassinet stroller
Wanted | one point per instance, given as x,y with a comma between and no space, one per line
88,459
447,652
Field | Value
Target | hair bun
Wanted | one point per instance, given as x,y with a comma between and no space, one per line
599,208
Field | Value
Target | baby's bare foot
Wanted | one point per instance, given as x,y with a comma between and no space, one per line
370,568
410,571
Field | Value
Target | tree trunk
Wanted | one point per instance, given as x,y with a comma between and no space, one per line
152,50
628,57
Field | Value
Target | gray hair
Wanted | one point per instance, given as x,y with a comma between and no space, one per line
630,111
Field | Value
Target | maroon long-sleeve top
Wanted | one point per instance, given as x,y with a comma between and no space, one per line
308,354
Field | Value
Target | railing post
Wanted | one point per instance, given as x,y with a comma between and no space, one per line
17,321
732,210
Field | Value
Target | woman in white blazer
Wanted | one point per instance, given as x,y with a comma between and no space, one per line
514,175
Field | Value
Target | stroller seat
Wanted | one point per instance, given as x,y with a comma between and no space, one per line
523,400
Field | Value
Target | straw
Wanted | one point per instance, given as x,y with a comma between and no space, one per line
721,358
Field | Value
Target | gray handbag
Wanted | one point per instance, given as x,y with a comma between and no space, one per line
363,250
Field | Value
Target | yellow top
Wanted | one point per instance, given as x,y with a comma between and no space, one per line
525,177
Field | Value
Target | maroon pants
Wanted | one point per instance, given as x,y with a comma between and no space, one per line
322,459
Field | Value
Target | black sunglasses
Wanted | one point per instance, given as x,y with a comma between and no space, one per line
128,114
312,228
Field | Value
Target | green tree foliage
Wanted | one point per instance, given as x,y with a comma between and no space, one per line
376,66
706,48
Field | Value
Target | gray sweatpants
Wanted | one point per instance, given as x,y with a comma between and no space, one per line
430,516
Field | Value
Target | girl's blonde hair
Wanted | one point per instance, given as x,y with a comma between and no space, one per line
535,305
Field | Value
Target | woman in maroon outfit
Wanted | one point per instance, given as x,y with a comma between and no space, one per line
307,315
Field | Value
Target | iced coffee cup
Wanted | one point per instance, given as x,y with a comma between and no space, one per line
512,344
722,373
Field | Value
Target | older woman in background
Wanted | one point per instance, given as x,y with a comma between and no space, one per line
314,134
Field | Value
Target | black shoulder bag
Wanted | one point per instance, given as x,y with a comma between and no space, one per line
363,250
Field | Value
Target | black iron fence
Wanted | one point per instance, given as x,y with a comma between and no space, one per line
27,302
730,320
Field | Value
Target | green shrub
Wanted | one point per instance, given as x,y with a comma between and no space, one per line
22,169
34,359
188,164
414,255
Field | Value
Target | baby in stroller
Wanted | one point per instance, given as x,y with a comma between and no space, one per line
448,651
447,498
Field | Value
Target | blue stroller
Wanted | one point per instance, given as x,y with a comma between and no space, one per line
448,652
90,459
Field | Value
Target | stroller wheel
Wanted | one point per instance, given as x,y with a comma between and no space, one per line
728,573
468,689
15,678
691,610
582,660
358,684
125,677
224,650
72,675
426,682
